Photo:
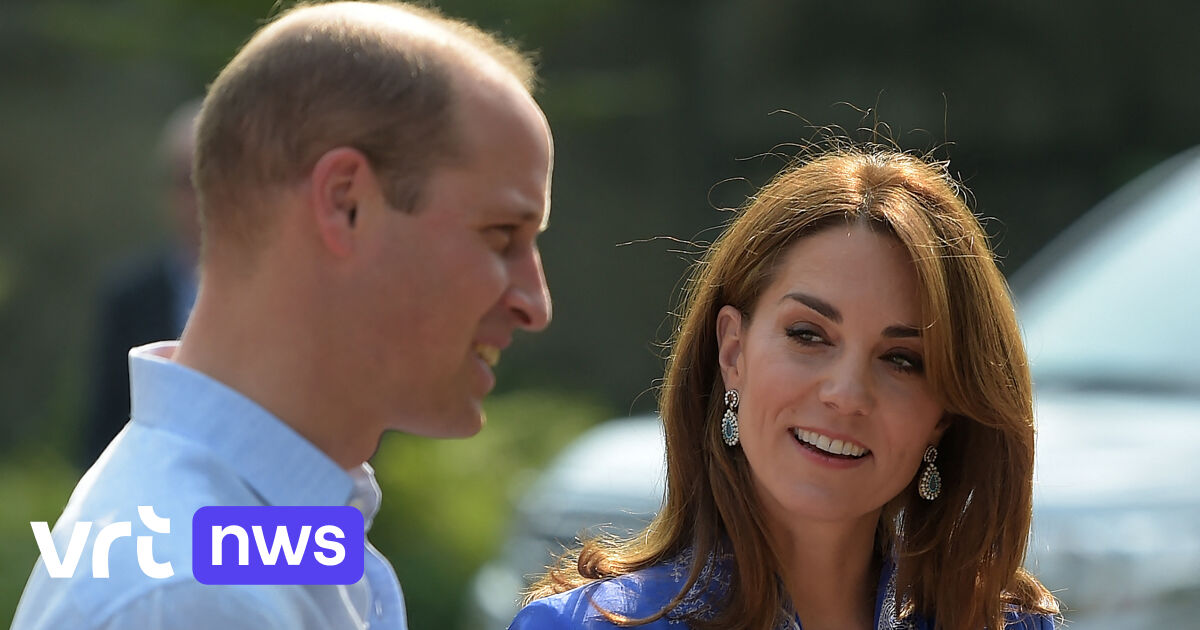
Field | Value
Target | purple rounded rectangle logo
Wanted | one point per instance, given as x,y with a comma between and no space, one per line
257,544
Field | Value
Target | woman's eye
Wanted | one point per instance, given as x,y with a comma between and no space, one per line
806,336
906,363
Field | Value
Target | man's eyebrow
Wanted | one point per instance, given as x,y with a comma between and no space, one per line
816,304
525,214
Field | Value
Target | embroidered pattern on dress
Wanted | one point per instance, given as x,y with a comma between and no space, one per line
888,610
787,620
715,580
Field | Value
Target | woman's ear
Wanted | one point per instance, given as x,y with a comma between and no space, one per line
940,428
729,346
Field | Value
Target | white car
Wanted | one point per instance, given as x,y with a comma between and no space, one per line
1111,315
1110,312
618,491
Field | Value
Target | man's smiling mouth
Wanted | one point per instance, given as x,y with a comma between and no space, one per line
489,354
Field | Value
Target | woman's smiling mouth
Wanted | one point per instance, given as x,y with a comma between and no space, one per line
828,446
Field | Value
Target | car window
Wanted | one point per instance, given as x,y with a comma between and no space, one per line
1121,308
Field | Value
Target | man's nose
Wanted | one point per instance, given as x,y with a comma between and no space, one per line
528,299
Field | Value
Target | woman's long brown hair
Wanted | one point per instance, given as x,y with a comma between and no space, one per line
958,558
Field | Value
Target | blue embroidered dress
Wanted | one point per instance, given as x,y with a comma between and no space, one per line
643,593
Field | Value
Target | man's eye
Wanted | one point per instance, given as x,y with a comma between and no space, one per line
499,237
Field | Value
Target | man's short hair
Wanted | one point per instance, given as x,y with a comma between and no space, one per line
378,77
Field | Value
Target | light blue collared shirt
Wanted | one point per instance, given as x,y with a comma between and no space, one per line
194,442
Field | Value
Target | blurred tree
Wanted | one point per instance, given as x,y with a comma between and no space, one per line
447,503
192,37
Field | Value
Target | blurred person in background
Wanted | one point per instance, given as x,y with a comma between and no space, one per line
848,420
149,299
372,182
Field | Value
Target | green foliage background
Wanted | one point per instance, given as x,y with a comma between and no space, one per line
446,503
662,112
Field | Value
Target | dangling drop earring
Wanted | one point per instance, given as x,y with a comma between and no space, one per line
930,485
729,423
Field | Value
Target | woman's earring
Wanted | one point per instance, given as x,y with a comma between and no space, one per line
931,480
729,423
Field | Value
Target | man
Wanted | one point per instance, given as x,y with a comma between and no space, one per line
372,181
150,298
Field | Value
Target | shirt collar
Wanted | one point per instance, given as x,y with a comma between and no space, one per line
280,465
366,494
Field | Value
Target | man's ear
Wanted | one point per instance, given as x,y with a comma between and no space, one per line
730,337
339,182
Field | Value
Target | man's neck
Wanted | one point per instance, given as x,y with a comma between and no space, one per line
277,363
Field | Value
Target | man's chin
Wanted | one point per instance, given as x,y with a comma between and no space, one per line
456,428
473,419
448,422
471,426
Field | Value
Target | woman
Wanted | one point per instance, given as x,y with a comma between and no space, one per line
849,425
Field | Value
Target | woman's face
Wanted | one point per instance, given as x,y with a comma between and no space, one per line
835,409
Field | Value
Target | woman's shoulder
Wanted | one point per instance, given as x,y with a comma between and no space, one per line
639,594
1012,621
1017,620
888,609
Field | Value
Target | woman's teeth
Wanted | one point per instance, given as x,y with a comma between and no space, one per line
824,443
489,354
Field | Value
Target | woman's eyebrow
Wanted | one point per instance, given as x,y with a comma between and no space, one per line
830,311
901,332
816,304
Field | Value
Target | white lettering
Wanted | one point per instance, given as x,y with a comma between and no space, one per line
145,556
145,549
338,549
281,541
65,567
104,540
218,535
154,522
